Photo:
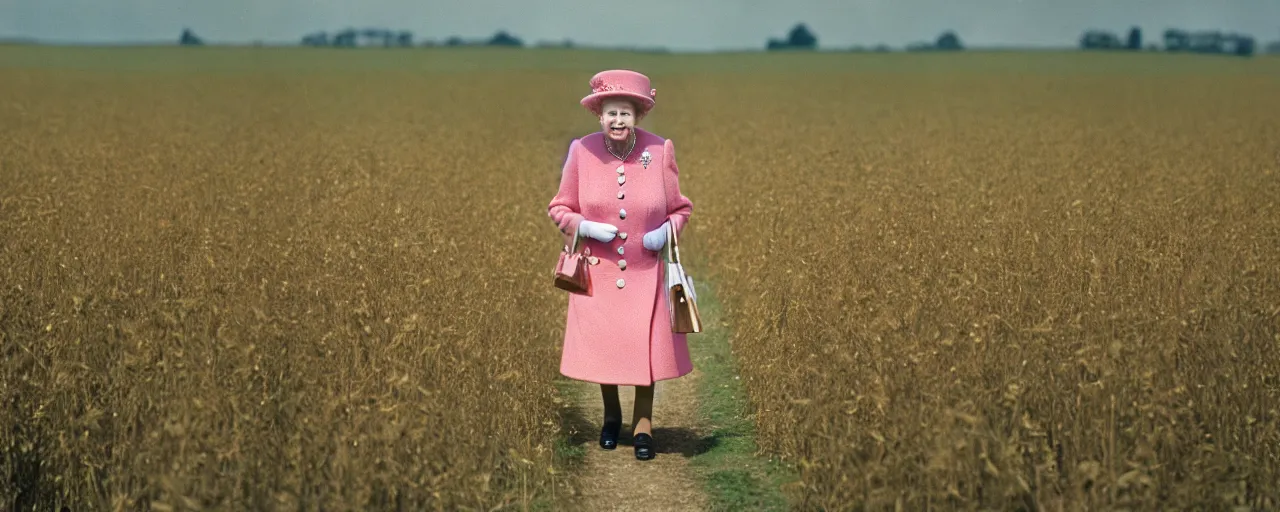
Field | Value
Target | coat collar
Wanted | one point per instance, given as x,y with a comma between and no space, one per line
646,141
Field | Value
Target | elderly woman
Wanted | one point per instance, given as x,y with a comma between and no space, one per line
616,184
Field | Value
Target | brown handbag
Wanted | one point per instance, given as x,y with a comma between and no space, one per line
682,299
572,270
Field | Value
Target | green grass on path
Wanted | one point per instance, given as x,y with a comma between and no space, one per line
735,478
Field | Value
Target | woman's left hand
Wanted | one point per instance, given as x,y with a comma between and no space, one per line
654,240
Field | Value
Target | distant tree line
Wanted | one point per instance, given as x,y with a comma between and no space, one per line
386,38
800,37
1175,40
376,37
352,37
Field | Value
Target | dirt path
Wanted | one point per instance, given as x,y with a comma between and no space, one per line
615,480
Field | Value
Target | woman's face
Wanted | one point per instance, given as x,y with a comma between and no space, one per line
617,119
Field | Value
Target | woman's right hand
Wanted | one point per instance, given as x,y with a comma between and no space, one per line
597,230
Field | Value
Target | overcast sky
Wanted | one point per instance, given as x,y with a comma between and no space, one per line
680,25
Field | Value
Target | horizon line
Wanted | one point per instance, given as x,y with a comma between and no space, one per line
559,43
867,48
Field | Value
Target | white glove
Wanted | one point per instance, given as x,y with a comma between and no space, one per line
654,240
597,230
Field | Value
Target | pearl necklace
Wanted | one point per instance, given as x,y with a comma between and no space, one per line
631,144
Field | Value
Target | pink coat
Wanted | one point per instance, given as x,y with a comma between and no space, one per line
621,334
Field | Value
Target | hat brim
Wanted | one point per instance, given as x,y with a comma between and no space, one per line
593,101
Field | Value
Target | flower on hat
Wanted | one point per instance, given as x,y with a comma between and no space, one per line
599,85
653,93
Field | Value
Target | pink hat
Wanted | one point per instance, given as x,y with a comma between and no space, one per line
620,82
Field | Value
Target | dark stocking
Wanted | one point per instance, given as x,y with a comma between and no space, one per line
642,421
612,407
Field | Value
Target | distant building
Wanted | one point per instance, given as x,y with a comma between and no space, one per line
352,38
1237,44
1208,42
316,39
1205,42
1100,40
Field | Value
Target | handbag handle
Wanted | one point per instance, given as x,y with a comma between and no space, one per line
673,247
574,247
672,250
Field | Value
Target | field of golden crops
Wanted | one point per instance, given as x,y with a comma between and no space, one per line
281,279
256,289
1025,286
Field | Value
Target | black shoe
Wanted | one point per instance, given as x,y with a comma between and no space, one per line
609,435
644,446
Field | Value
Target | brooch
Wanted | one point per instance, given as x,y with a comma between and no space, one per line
644,159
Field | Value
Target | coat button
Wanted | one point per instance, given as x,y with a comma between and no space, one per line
621,170
593,260
621,249
622,179
621,283
622,264
622,214
622,235
621,195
